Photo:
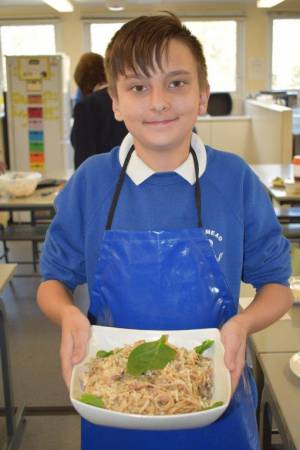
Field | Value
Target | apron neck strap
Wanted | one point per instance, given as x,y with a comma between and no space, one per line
197,188
121,181
118,190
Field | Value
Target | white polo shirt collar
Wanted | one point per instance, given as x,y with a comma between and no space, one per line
138,171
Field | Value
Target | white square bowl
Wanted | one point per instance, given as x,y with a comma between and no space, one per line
108,338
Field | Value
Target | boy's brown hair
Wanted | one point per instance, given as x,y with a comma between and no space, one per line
89,72
133,47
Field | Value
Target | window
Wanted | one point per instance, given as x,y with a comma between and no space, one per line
219,39
26,40
286,54
101,34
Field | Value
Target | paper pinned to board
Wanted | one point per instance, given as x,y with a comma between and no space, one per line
245,302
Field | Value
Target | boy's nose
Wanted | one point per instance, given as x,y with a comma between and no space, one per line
158,101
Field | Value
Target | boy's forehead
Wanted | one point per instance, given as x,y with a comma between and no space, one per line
175,56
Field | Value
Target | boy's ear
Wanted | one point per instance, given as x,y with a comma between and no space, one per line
115,107
203,102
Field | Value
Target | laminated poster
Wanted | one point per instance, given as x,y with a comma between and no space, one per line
34,68
36,136
34,86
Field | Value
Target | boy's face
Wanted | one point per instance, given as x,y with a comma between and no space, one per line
160,111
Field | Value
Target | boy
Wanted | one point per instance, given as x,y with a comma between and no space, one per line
163,229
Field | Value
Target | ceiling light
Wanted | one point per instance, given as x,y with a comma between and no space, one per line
60,5
115,5
267,3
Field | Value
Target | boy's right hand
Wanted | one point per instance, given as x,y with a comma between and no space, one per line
75,335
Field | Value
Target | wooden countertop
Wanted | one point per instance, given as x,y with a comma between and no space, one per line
6,273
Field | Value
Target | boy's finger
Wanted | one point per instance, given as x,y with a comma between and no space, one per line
67,374
230,356
66,351
80,342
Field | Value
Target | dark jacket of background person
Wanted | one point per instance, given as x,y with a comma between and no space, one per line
95,129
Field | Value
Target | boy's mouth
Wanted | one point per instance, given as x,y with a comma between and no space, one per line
160,123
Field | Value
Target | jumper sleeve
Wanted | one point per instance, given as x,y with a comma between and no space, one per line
266,251
62,256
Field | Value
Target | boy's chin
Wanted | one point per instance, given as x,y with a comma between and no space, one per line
161,145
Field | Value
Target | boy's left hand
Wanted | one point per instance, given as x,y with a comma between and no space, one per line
234,338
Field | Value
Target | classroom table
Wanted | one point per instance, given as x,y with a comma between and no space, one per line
41,199
286,205
267,172
281,400
40,206
6,274
282,337
14,417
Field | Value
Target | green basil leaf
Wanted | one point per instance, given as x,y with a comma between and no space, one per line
103,353
93,400
214,405
204,346
150,356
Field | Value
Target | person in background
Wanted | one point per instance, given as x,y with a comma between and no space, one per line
89,75
163,229
95,129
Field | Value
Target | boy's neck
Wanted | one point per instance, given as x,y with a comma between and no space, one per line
163,160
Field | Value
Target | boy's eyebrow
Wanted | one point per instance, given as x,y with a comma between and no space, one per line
169,74
178,72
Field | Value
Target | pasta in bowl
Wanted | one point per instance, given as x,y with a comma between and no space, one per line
186,385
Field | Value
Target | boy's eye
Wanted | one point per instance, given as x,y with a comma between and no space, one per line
177,83
138,88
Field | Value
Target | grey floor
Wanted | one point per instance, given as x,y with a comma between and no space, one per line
35,368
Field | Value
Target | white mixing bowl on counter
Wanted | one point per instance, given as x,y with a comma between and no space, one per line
19,184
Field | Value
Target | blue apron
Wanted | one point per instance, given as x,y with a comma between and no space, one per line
167,280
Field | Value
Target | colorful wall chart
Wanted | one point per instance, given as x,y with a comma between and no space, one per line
36,135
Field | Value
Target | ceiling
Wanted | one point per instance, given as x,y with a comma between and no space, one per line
102,2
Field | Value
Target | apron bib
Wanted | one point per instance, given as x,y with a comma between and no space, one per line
167,280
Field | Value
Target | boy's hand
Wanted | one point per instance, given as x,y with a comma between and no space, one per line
234,338
75,335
